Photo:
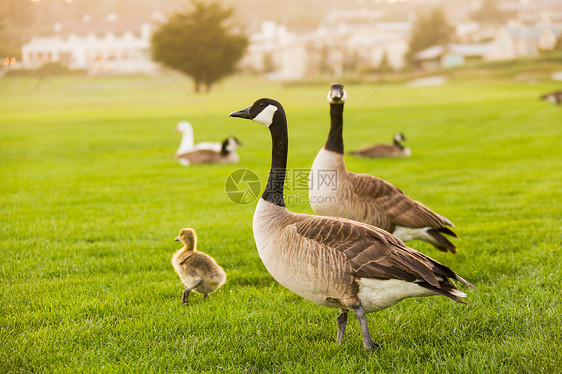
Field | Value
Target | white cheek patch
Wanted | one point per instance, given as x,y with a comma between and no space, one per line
343,99
232,146
266,116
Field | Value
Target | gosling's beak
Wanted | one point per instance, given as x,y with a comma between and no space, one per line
177,239
244,113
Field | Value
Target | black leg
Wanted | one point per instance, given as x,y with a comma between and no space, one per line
185,296
205,297
342,323
361,315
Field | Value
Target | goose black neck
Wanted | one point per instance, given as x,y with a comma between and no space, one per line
335,139
397,143
280,146
224,148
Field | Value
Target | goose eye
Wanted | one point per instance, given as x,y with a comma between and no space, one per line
262,104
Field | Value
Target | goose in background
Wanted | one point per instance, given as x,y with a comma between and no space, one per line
198,272
366,198
187,143
335,262
553,97
226,155
396,149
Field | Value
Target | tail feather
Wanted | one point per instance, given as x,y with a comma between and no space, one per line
447,231
446,220
447,289
445,286
464,281
440,242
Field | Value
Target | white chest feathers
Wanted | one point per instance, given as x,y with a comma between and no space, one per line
324,183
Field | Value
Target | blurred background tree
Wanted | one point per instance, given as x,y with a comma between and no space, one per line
5,49
559,43
384,65
428,31
200,43
490,14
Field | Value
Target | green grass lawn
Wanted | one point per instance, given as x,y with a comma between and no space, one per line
91,200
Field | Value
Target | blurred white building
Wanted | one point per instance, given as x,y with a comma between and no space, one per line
105,47
345,42
519,40
454,54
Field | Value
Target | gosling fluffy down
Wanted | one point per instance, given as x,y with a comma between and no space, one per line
198,272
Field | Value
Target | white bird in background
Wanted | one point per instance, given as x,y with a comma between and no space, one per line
553,97
188,143
226,155
396,149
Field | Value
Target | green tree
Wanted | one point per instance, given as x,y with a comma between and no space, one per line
3,42
324,65
428,31
558,45
490,14
200,43
7,48
384,65
268,63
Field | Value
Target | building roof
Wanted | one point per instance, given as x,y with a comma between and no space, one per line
472,49
462,49
430,53
535,5
524,32
100,26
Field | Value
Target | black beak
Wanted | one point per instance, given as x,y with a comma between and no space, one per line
244,113
177,239
336,94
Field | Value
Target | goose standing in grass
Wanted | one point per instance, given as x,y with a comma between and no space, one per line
226,155
553,97
198,272
187,143
366,198
396,149
335,262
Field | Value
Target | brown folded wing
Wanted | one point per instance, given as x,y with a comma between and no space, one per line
372,252
397,206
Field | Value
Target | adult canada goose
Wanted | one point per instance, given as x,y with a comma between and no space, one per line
226,155
366,198
197,271
335,262
396,149
553,97
187,143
